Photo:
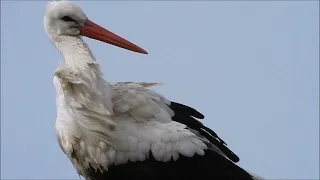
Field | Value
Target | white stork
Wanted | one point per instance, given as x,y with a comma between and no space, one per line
125,130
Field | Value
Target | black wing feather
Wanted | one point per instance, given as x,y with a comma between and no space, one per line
183,109
186,115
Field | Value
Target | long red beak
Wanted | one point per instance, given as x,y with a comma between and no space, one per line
97,32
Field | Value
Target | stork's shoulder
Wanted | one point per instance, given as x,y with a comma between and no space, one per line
135,90
140,102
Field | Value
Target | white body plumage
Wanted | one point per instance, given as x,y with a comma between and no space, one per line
141,123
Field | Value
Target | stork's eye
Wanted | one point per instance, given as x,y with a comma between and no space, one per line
67,19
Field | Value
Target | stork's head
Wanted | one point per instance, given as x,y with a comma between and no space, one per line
64,18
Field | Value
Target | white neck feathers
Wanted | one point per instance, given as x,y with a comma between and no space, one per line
85,92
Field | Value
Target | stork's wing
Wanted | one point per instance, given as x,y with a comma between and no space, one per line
135,93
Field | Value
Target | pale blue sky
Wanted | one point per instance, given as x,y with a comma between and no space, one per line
251,67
